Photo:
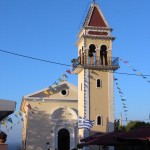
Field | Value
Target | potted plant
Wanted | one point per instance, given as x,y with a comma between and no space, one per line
73,60
3,137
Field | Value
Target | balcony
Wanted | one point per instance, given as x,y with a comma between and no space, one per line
95,63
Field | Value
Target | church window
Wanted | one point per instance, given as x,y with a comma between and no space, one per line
99,120
98,83
64,92
81,86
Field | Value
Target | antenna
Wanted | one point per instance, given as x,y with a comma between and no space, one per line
93,1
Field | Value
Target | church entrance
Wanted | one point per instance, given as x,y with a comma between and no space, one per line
63,139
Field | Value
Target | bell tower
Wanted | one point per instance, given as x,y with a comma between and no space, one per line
94,67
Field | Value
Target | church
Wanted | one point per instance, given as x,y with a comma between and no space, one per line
51,115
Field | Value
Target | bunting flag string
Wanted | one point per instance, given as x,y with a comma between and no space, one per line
68,71
18,115
125,108
60,79
7,120
135,70
53,87
64,76
29,106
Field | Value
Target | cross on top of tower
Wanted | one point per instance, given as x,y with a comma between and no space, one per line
93,1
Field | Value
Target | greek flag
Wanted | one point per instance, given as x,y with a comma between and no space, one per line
85,123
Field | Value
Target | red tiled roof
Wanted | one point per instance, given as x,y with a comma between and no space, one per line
95,18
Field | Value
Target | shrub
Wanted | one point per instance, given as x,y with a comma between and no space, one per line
3,135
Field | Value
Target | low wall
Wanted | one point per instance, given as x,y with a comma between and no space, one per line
3,146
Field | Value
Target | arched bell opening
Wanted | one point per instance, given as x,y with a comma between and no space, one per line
103,55
91,54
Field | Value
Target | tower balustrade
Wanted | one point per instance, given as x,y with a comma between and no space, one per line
97,62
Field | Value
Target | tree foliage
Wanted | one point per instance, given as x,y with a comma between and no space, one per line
135,124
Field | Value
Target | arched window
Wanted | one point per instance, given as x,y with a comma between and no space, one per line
92,49
103,48
103,55
99,120
81,86
98,83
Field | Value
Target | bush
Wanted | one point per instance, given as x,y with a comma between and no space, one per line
3,135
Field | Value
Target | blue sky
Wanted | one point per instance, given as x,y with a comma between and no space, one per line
48,29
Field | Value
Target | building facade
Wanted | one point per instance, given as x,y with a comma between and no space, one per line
50,118
94,67
51,115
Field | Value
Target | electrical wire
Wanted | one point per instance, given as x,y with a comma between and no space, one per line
39,59
57,63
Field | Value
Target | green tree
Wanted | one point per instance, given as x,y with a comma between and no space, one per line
135,124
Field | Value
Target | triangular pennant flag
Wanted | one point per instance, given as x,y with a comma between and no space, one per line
33,112
123,99
50,92
64,75
36,107
115,79
61,80
125,62
124,107
29,106
20,113
4,123
120,92
23,110
144,77
55,83
10,120
16,115
46,92
139,74
68,71
134,70
118,88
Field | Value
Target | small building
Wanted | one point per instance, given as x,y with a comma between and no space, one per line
50,118
7,107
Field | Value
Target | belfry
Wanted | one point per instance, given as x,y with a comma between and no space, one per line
94,67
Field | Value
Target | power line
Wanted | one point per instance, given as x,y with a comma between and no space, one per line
57,63
132,74
34,58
